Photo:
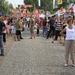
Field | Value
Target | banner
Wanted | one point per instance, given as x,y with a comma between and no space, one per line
59,2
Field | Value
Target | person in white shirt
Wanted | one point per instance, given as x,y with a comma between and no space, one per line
69,41
13,31
27,21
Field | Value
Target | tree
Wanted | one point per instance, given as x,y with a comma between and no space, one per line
48,4
28,1
31,2
66,3
45,4
10,6
5,6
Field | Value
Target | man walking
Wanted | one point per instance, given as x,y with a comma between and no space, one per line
2,28
52,29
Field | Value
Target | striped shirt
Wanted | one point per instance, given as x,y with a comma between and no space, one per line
59,25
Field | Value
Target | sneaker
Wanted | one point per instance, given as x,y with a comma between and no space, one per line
73,65
66,65
21,38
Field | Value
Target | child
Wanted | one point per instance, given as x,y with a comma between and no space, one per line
13,31
37,24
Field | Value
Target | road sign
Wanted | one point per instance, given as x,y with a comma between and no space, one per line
59,1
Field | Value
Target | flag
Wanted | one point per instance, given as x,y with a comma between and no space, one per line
59,2
71,9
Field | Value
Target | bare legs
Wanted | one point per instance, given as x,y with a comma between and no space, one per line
32,35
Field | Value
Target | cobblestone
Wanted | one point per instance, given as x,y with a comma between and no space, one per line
35,57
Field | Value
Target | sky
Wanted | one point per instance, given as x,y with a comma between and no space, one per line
15,2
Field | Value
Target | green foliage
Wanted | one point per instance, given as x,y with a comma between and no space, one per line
45,4
48,4
28,1
31,2
65,4
5,6
10,6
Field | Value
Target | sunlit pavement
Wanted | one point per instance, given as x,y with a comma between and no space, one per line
35,57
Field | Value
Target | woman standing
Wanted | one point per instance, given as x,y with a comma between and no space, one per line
44,27
5,31
69,41
58,27
32,28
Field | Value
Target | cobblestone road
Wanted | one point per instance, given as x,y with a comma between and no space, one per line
35,57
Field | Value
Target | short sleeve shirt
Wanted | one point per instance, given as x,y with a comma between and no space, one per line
59,26
18,25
